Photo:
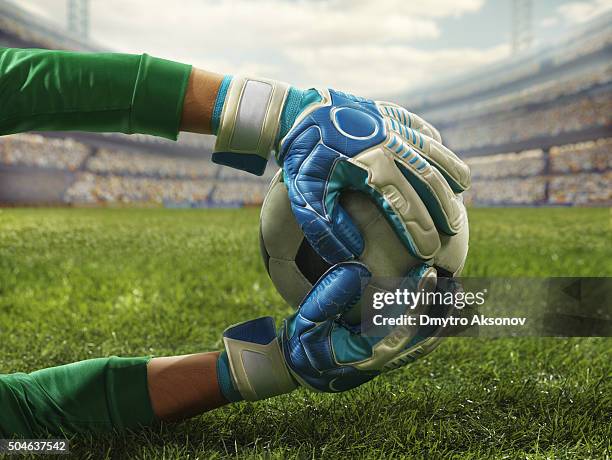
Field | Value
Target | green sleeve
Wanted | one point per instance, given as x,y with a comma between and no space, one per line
43,90
93,396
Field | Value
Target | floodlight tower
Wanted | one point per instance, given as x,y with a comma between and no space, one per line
522,25
78,18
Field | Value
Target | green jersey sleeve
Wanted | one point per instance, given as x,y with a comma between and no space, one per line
93,396
42,90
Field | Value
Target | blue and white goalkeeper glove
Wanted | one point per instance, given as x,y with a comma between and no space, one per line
314,348
327,141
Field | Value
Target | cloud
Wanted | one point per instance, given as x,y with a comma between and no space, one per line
549,21
581,12
363,46
377,71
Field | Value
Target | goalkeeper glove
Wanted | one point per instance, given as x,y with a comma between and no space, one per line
314,348
327,141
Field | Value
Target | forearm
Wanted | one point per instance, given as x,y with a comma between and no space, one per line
184,386
108,394
199,101
43,90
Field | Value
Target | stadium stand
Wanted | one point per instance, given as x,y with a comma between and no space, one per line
535,130
123,163
91,188
592,156
41,152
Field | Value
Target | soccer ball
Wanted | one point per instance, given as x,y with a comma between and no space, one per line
294,266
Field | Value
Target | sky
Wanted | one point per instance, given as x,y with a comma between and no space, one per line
369,47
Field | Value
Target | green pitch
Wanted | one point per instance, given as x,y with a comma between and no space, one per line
77,284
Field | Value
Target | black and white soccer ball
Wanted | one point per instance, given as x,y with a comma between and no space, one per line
294,266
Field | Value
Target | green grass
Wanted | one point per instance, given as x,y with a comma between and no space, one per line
76,284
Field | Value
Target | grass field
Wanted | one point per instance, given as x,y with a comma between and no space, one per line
77,284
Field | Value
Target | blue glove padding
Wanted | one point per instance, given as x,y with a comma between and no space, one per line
326,355
328,141
314,348
345,142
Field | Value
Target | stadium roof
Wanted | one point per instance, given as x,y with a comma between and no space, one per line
592,38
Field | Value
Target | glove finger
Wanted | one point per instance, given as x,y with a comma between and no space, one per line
421,278
454,170
429,183
335,292
454,249
428,337
408,119
326,226
337,241
400,202
346,230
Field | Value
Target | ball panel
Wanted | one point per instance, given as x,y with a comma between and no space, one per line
310,264
294,266
289,281
384,253
280,232
264,252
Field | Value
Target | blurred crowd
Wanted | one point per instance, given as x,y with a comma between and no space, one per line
581,189
569,174
42,152
585,156
536,93
521,124
248,193
528,163
531,190
144,164
91,188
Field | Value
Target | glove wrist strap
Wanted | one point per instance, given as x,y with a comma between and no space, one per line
249,123
257,365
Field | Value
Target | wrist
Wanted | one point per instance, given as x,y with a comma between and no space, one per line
251,116
253,367
224,379
198,102
248,122
219,103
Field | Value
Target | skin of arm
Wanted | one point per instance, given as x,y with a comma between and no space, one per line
184,386
199,101
50,91
178,386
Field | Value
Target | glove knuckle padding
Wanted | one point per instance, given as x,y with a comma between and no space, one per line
454,169
408,119
414,183
454,249
405,140
386,179
335,292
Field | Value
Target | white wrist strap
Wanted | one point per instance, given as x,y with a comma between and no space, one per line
257,365
249,122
